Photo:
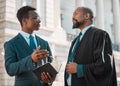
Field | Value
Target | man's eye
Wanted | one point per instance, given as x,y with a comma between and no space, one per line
35,18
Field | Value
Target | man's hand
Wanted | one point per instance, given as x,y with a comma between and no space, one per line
39,54
71,68
46,78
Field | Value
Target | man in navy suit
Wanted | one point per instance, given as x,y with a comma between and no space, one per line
27,51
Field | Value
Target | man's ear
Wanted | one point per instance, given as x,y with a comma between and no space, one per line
24,21
87,16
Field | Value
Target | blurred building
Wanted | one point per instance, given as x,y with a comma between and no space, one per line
56,26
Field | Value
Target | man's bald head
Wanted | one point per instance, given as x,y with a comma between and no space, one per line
85,10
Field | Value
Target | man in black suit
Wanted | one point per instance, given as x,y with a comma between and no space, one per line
90,61
27,51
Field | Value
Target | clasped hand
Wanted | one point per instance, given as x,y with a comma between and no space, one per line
38,54
71,68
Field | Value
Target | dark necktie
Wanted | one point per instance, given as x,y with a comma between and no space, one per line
72,53
32,43
33,47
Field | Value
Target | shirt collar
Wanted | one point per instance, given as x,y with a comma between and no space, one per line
26,35
85,29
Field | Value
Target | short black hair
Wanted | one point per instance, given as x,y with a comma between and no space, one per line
23,12
87,10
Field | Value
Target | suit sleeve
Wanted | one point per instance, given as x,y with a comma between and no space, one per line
79,70
14,66
101,69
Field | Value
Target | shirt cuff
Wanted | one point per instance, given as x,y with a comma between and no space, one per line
80,70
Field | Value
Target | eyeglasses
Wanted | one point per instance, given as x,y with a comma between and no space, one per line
37,18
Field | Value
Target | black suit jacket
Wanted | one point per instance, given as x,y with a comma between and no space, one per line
93,53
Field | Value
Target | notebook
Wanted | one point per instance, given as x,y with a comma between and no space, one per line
48,67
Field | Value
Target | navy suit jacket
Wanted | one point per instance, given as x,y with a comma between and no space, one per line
18,60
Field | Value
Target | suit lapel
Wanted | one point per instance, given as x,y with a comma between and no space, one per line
39,42
73,42
23,43
80,54
83,40
42,46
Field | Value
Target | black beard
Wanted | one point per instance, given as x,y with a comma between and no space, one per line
77,24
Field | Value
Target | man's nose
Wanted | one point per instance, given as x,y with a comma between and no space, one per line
38,20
